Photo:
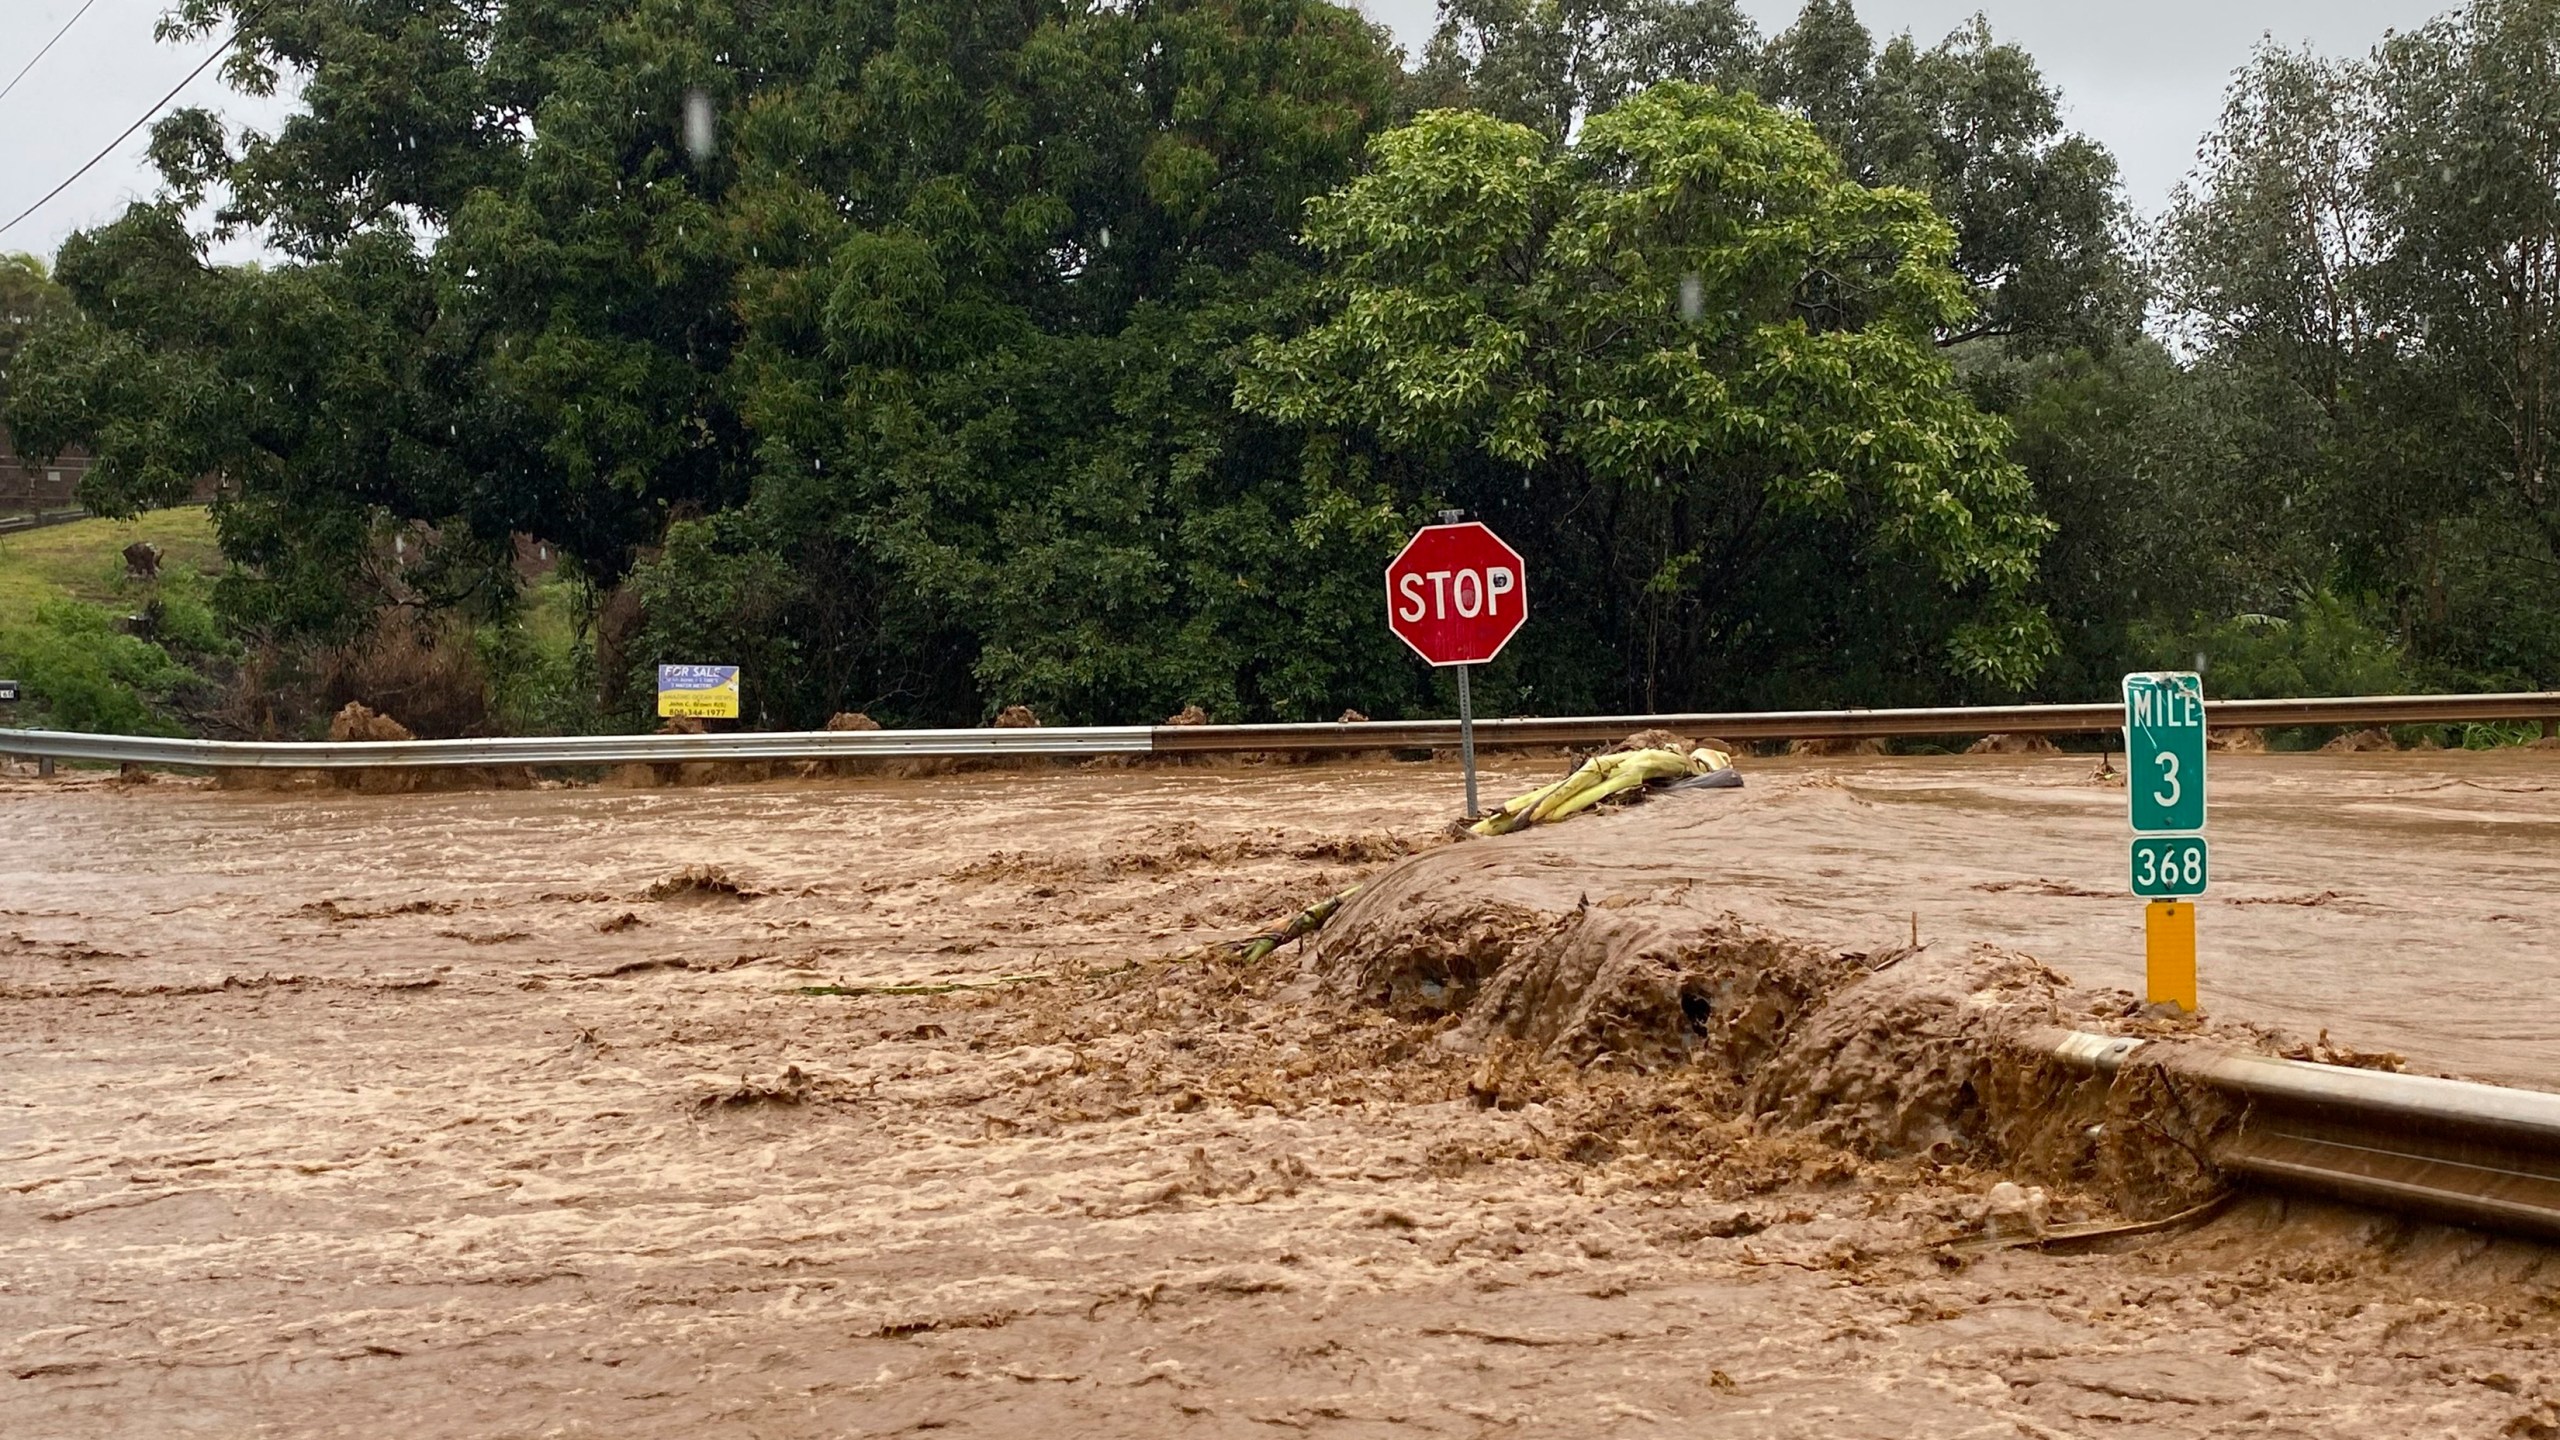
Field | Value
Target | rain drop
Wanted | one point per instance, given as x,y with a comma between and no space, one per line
699,129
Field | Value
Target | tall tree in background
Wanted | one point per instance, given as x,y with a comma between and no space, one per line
893,326
29,298
1687,362
2369,268
1971,122
1551,64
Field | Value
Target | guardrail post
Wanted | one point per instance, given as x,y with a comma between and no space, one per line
44,767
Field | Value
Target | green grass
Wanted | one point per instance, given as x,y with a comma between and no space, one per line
62,589
84,560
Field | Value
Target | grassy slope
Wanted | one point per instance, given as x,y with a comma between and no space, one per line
84,559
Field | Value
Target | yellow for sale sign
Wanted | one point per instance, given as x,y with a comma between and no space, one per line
703,692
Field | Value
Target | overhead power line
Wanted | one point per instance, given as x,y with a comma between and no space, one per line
147,117
48,47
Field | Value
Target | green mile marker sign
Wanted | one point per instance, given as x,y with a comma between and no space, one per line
2164,752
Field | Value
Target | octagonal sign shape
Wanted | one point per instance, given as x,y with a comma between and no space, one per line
1457,594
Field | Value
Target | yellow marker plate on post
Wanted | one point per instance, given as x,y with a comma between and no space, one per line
2169,934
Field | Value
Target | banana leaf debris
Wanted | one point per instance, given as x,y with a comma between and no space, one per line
1648,764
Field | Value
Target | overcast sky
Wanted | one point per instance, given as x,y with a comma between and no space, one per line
2144,78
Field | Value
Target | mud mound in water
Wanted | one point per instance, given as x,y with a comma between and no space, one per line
358,722
1897,1061
1835,748
1633,986
700,882
2361,742
1909,1054
1888,1056
2013,745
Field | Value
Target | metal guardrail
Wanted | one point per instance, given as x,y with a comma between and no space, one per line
1244,739
2473,1154
37,520
575,749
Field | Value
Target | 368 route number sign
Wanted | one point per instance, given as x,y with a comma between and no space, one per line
2164,750
1457,594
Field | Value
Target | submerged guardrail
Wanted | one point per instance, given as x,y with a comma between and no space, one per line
2454,1150
1087,741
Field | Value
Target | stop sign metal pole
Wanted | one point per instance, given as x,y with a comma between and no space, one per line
1457,594
1466,711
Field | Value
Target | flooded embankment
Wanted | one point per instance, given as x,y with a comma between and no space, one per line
878,1106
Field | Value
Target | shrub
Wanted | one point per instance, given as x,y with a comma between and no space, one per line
81,673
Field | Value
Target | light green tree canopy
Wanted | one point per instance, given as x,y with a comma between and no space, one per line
1694,313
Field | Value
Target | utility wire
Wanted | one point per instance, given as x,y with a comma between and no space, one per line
48,47
206,64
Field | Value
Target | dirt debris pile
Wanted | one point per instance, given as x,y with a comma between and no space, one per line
700,882
360,722
1834,748
1909,1054
2013,745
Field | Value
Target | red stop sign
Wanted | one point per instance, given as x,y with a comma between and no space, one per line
1457,594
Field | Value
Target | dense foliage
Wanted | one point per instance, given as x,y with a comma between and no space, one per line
1689,362
926,357
2368,265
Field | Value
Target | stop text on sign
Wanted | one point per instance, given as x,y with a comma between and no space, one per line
1457,594
1469,593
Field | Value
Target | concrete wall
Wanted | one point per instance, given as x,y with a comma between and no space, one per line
25,486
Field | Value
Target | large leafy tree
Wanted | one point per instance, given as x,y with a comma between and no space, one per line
1689,359
1551,64
898,325
29,298
1969,121
1972,123
2368,265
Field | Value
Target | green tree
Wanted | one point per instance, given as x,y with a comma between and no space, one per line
2042,232
1692,356
930,326
1820,66
2368,265
29,298
1551,64
1971,122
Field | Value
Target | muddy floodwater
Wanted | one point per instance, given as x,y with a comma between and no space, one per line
892,1106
